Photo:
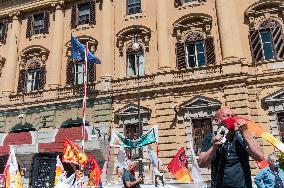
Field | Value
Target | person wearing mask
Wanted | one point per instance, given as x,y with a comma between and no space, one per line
128,177
228,152
271,176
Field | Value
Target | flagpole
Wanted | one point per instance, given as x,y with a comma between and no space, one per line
85,65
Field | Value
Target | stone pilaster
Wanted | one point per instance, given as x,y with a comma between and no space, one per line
107,39
229,29
163,35
10,69
54,70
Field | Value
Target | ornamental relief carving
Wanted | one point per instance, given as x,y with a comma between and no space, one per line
127,36
258,13
33,57
192,23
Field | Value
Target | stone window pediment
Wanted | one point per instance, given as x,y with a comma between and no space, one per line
276,96
200,102
196,22
262,10
132,109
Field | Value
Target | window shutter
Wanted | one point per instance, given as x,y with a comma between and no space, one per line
255,45
42,77
46,22
4,32
22,81
70,73
91,72
178,2
29,26
180,53
278,41
93,12
74,17
210,50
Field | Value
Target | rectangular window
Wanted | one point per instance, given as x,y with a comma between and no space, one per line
280,118
133,6
132,132
195,54
200,127
134,61
189,1
84,13
267,46
79,73
1,30
33,80
38,24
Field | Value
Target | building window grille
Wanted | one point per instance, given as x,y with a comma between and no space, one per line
200,127
84,14
133,6
135,61
195,54
132,132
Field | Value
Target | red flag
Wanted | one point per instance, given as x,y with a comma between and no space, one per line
178,167
95,172
73,154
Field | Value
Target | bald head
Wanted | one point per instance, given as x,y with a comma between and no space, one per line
132,165
223,114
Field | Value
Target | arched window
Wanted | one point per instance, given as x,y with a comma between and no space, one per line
267,42
135,61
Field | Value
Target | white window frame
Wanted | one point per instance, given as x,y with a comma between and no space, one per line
33,80
195,53
262,46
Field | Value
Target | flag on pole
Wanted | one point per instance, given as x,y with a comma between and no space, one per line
118,140
178,167
73,154
155,161
121,159
259,131
196,172
60,175
12,173
95,172
78,52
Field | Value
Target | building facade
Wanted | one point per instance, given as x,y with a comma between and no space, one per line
194,57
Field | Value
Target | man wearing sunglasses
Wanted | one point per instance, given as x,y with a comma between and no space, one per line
271,176
228,151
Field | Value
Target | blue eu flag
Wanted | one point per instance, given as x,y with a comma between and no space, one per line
78,52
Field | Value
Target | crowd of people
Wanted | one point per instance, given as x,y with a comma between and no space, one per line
227,152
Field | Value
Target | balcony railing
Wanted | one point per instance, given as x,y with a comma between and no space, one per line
168,78
49,95
156,80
